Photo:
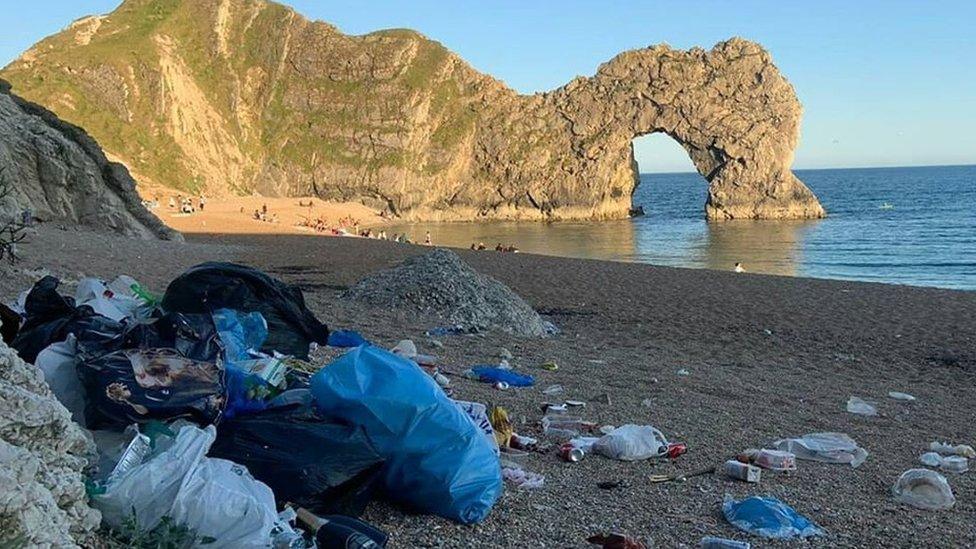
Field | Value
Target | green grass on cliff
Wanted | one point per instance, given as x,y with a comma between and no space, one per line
334,132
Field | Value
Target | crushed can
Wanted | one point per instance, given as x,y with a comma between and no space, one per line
676,449
571,453
742,471
501,385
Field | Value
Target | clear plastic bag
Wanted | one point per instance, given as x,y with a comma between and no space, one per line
861,407
825,448
632,443
924,489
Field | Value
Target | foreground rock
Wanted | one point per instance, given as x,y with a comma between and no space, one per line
250,96
440,285
61,174
42,454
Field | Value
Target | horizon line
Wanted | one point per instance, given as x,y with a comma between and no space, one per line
973,164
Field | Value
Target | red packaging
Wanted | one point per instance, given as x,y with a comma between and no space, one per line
676,449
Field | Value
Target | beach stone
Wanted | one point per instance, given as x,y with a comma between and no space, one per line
408,126
441,287
42,455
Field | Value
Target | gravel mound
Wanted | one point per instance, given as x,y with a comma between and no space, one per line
440,284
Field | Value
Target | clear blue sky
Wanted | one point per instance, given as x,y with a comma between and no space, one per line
883,83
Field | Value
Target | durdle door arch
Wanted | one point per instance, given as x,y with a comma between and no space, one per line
736,116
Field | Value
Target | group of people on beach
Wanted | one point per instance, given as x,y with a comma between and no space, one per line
261,214
185,204
498,247
322,225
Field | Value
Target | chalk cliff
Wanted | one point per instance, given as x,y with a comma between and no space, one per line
241,96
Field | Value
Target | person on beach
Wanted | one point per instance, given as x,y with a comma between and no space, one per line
172,203
203,202
739,268
427,241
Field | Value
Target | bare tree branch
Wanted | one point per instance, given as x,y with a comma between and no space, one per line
12,231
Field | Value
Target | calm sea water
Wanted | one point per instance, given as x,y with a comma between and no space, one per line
896,225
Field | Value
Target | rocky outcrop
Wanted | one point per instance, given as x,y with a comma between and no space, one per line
61,174
42,453
248,96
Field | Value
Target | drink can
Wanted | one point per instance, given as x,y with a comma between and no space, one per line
501,385
571,453
676,449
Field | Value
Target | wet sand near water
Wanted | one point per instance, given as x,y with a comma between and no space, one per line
768,357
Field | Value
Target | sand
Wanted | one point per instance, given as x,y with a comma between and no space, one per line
768,357
225,216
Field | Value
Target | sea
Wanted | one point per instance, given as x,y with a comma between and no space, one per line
914,225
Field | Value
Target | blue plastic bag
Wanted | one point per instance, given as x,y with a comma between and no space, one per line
240,333
493,375
768,517
438,461
346,338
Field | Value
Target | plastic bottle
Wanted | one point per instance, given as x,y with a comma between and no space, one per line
288,540
711,542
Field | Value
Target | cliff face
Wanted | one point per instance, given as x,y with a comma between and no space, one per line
60,172
233,96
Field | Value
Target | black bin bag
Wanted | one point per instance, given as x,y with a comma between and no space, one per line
50,317
325,467
211,286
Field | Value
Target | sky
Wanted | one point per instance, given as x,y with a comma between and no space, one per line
882,83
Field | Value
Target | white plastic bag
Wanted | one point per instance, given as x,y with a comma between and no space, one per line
924,489
105,298
632,443
825,448
216,498
59,363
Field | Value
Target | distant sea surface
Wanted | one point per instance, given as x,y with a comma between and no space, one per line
895,225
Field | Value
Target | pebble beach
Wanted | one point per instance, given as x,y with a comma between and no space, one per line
761,358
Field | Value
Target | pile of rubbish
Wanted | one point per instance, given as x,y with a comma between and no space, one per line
209,421
439,283
209,418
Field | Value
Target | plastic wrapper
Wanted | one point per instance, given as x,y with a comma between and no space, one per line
825,448
493,375
924,489
768,518
861,407
137,386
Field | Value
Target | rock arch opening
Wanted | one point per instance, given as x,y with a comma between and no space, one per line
658,152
